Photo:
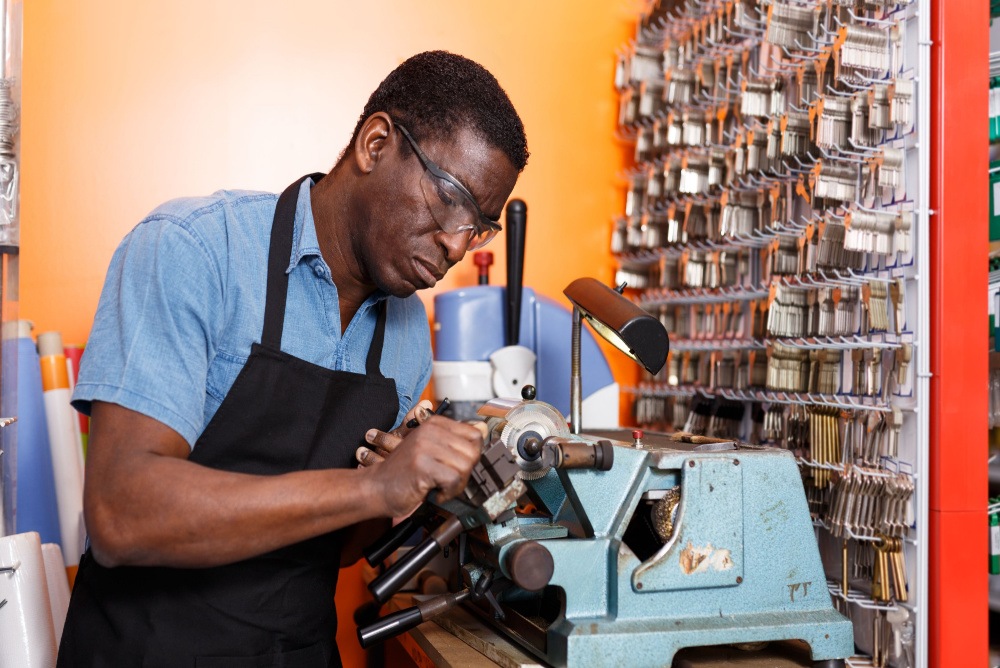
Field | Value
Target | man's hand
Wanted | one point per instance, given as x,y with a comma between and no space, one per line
382,443
438,455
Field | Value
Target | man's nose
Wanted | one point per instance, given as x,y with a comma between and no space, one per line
455,245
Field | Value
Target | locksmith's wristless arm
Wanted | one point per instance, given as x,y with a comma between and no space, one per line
146,504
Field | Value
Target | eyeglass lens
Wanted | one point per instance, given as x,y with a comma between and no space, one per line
453,211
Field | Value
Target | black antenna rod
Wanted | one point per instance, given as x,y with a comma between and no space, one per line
517,220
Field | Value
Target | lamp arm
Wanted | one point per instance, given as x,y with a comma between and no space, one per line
575,386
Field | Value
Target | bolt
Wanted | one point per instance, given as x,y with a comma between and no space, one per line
739,579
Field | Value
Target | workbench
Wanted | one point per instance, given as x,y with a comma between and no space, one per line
459,639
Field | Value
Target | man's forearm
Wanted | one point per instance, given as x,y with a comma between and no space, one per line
173,512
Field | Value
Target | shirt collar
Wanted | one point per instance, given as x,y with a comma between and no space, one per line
305,243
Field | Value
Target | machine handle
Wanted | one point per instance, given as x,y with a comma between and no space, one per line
404,620
391,625
517,221
388,542
392,580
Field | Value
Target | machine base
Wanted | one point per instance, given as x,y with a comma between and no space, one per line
820,639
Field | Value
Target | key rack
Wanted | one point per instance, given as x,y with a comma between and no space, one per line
775,221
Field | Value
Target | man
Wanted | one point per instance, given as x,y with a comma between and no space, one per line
243,346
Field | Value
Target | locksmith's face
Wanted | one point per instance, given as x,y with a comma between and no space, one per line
418,225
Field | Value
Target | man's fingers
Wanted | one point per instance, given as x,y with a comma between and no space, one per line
414,418
481,426
382,441
367,458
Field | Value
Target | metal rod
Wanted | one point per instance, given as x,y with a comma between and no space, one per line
575,389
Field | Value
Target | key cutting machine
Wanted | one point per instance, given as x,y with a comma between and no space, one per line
588,550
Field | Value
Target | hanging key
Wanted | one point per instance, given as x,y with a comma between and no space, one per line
903,357
901,103
897,293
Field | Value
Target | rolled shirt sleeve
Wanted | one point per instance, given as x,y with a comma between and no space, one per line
152,341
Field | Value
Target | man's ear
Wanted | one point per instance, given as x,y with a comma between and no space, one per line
372,140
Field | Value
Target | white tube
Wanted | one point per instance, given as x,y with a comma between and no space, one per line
58,584
67,458
27,638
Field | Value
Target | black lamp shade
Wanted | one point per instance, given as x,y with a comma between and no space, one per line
625,325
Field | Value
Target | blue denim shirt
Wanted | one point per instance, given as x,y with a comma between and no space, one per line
184,300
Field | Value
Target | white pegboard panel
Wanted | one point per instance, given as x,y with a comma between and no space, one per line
777,204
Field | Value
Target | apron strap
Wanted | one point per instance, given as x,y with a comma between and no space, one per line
278,257
375,349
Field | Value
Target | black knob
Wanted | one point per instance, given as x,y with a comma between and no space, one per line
528,392
529,445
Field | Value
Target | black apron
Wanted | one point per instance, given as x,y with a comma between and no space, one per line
282,414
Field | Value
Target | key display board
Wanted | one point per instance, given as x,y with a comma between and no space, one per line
771,223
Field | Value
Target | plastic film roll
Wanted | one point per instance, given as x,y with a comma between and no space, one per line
58,584
27,637
74,355
37,508
67,454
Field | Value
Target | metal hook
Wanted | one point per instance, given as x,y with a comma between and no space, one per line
860,150
778,70
829,33
870,80
738,35
803,56
731,91
854,86
866,19
804,165
807,49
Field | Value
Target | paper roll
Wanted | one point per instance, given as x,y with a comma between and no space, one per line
37,509
8,435
27,637
67,455
55,578
74,355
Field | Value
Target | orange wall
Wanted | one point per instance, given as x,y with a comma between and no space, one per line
127,104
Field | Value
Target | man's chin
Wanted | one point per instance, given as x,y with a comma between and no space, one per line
402,289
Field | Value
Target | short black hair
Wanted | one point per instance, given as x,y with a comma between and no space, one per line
434,93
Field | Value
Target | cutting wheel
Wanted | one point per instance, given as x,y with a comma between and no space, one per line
531,417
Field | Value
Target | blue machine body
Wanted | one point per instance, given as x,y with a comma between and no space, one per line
470,325
742,564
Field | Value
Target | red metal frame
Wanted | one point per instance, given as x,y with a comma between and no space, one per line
958,597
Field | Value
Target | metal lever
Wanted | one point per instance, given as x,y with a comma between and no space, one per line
399,622
392,580
564,453
388,542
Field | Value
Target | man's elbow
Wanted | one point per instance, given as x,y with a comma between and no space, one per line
110,544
